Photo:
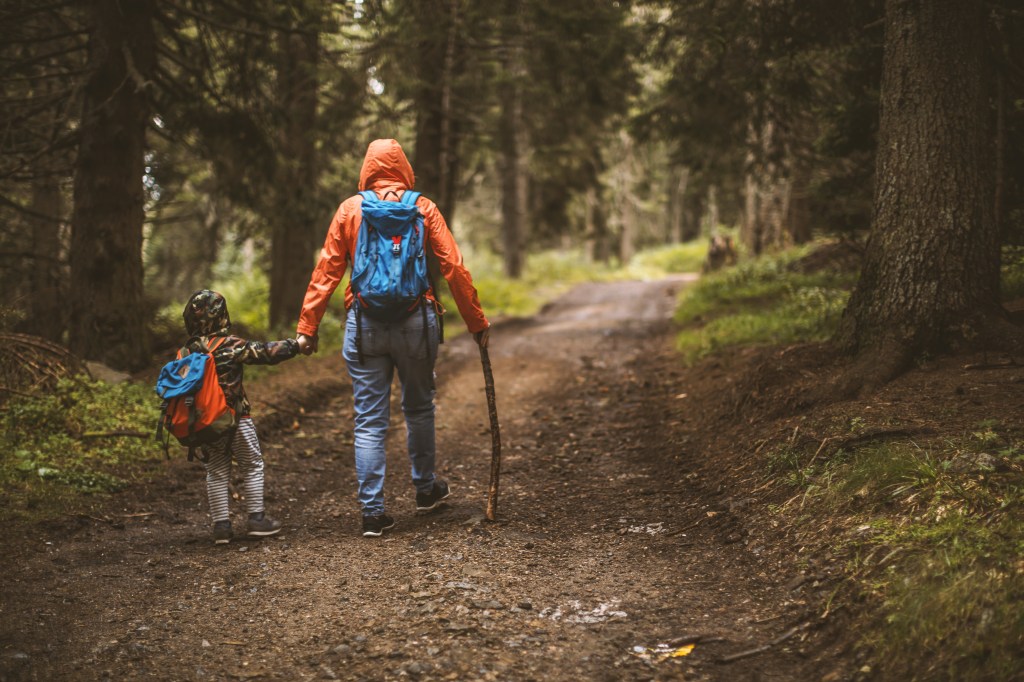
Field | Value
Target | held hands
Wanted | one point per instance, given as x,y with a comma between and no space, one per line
307,344
482,337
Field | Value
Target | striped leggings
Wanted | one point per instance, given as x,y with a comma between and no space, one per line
245,450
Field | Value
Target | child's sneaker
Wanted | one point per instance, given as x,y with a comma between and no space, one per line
430,501
374,526
222,532
260,525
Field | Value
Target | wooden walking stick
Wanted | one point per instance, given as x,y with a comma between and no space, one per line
492,411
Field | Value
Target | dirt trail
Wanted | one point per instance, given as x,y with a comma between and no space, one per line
606,540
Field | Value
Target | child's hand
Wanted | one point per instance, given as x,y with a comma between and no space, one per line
307,344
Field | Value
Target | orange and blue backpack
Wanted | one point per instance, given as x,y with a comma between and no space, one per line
194,409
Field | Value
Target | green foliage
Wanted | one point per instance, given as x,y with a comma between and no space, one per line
53,446
762,301
1012,273
936,537
673,259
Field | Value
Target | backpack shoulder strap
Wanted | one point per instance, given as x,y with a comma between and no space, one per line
369,195
409,197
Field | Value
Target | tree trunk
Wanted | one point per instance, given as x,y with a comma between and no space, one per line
626,199
712,210
107,320
693,209
798,212
512,144
931,269
46,310
293,236
596,240
679,177
436,158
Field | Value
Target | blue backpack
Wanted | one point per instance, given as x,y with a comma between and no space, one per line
389,267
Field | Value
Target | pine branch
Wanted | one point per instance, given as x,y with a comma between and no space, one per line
27,211
15,18
210,21
44,39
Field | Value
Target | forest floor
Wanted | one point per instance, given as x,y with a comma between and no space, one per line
634,512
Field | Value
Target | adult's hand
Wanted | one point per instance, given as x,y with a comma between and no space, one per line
308,344
482,337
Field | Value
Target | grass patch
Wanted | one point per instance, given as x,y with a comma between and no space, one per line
1012,273
50,453
935,536
760,302
668,260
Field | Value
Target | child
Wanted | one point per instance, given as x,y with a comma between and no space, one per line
206,315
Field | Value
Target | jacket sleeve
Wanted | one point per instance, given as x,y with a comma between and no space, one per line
442,243
327,274
269,353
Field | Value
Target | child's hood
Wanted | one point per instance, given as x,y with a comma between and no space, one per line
206,313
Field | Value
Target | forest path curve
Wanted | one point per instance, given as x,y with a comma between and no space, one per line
602,545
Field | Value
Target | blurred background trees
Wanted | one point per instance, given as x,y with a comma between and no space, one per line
155,147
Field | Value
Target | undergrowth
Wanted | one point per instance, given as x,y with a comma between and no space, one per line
933,530
56,447
935,536
762,301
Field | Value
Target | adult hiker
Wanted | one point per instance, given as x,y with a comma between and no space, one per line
394,318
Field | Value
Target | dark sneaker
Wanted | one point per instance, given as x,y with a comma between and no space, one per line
260,525
435,498
374,526
222,532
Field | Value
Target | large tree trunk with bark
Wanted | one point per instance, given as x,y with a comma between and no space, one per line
437,127
931,269
767,192
293,235
512,142
107,320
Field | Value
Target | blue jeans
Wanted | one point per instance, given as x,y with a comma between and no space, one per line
386,346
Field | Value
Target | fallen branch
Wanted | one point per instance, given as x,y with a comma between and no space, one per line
695,638
16,392
684,529
764,647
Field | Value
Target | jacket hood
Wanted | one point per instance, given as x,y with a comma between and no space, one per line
206,313
386,167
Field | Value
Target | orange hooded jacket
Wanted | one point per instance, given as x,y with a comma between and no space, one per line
386,170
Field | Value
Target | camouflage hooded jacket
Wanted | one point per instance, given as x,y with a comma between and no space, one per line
206,317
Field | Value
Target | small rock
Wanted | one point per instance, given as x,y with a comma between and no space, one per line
416,669
974,462
475,572
525,605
